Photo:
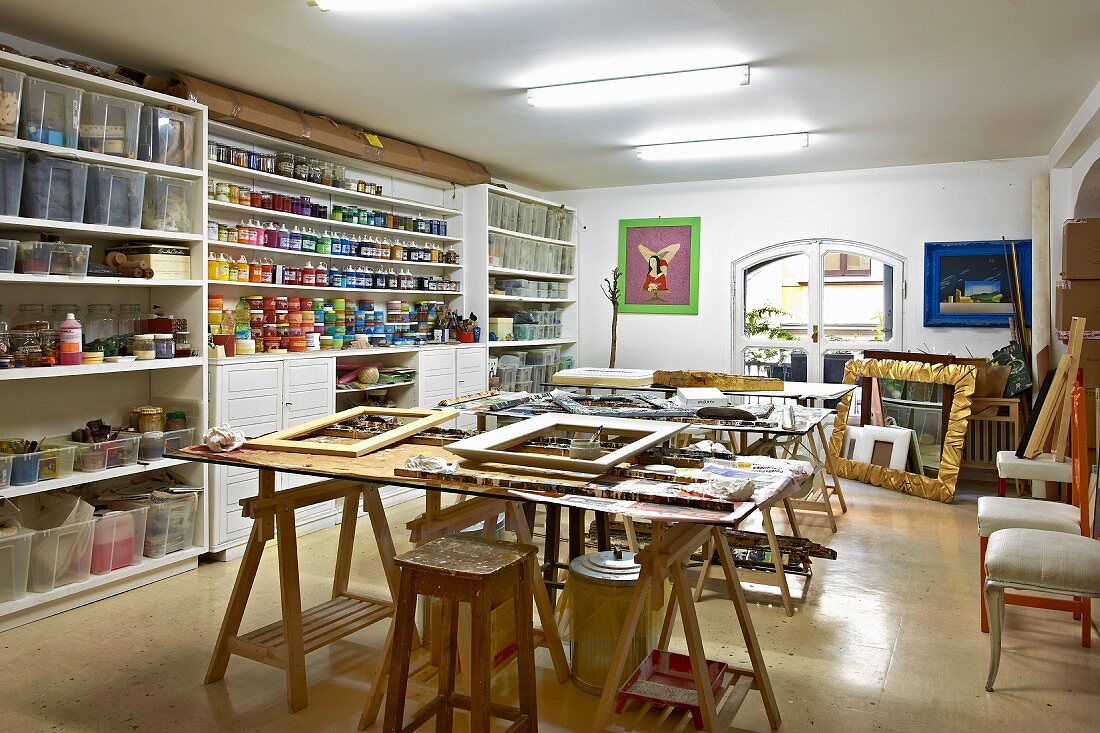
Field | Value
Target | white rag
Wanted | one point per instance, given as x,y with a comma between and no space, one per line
223,439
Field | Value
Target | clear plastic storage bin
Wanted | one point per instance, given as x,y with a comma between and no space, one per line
109,125
91,457
8,249
11,181
53,258
119,539
166,137
50,113
177,439
55,461
15,559
167,204
171,525
5,470
24,469
53,188
114,196
60,556
11,92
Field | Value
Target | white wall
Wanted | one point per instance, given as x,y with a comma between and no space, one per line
897,209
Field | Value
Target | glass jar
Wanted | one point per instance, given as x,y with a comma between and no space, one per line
101,330
164,345
32,317
328,172
182,344
5,335
175,420
128,316
301,168
284,164
315,172
144,348
26,348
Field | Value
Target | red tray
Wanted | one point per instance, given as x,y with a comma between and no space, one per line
664,679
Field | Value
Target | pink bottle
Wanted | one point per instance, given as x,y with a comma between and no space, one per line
71,338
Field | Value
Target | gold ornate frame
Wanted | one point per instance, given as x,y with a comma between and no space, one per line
959,376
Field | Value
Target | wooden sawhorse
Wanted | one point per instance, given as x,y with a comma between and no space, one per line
285,643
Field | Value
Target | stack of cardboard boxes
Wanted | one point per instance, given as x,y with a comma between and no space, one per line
1078,294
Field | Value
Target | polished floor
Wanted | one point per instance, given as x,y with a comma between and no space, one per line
886,639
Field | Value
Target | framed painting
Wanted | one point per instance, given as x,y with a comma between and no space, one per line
659,259
972,283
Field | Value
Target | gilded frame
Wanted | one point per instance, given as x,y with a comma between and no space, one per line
960,376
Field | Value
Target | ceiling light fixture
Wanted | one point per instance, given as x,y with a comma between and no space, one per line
725,147
645,86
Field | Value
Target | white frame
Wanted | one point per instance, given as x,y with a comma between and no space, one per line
898,438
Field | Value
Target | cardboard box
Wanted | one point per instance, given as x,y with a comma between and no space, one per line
695,398
169,262
1081,249
1077,298
1090,362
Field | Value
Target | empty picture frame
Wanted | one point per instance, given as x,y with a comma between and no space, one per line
898,440
496,446
293,440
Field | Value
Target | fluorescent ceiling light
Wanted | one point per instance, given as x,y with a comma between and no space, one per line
727,147
644,87
367,6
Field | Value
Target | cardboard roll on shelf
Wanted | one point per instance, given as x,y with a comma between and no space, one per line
260,115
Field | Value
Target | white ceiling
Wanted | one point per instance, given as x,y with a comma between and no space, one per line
877,82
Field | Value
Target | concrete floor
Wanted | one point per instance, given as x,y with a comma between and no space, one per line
886,639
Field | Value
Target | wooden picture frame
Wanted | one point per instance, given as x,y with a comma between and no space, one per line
289,440
496,446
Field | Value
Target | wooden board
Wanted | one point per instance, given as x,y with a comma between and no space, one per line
593,377
291,439
724,382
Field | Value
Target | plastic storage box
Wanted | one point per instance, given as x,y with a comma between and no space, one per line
54,188
118,540
60,556
177,439
166,137
114,196
53,258
11,181
55,461
171,525
50,112
11,92
109,125
91,457
15,559
24,469
8,249
5,470
167,204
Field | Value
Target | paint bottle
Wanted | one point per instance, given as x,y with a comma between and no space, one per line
242,270
308,276
255,271
295,240
320,275
71,340
212,266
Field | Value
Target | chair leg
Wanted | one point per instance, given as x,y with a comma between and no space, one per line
982,543
995,601
1001,485
1086,622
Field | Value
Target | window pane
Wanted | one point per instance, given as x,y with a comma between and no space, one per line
777,299
857,301
786,364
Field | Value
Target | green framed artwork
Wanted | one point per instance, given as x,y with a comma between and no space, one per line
659,259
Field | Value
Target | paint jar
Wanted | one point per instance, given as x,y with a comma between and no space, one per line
164,346
144,347
182,344
584,449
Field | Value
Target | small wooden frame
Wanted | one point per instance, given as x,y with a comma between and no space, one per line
497,445
289,440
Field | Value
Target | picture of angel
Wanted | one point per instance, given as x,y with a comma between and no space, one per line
660,260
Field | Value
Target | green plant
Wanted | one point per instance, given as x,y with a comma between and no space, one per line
759,321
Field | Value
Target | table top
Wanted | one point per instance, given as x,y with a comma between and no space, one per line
800,391
520,482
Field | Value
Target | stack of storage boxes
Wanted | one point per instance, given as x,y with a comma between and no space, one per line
1078,294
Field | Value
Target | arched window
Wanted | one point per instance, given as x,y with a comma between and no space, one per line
802,309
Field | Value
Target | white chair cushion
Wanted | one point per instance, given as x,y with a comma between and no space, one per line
1042,467
1002,512
1031,559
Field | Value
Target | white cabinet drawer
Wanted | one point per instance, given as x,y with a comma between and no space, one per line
309,373
241,488
434,384
468,361
307,404
236,524
253,379
437,362
241,409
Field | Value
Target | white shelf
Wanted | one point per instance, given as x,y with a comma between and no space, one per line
342,258
250,212
85,156
94,231
235,170
373,388
531,237
132,282
342,291
498,191
87,369
526,344
34,606
530,273
524,299
343,354
79,478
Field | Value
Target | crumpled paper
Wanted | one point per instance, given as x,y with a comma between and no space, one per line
732,489
712,447
431,464
223,439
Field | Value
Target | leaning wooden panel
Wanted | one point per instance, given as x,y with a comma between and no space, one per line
496,446
292,440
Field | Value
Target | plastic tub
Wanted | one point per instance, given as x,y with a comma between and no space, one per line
167,205
166,137
528,386
177,439
50,112
5,470
53,188
24,469
118,540
15,561
171,525
60,556
55,462
109,125
11,92
8,248
114,196
91,457
53,258
11,181
152,446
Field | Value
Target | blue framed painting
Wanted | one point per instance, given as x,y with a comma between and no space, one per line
970,283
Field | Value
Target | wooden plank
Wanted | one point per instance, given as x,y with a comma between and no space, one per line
1044,421
290,439
1061,436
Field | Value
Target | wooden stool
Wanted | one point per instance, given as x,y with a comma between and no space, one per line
484,574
